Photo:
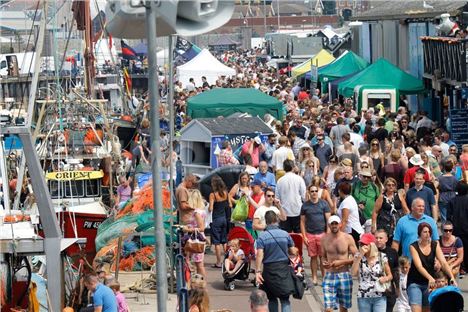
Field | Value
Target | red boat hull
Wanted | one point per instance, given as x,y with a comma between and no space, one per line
87,225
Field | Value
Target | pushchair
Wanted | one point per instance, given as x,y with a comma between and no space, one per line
246,242
447,298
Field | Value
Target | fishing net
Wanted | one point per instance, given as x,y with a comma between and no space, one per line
134,223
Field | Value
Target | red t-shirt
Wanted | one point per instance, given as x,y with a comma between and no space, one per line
256,198
409,175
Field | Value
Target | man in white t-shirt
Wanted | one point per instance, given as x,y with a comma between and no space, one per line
349,212
282,153
271,204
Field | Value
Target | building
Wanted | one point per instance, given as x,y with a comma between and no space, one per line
349,8
394,32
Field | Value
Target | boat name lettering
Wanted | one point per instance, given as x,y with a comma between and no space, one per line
73,175
91,224
240,139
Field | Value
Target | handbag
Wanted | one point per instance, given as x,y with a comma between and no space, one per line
241,210
195,243
379,286
298,283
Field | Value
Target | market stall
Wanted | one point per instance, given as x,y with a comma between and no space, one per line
201,140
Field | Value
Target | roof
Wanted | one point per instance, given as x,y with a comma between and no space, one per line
411,9
234,125
225,40
382,72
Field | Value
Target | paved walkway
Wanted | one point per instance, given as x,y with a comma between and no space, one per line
237,300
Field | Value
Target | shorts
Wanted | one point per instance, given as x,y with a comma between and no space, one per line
337,286
314,248
418,295
219,231
198,257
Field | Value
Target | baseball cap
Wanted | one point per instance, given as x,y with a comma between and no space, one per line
367,238
256,182
334,218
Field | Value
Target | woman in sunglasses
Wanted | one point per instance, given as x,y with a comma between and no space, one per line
378,158
388,209
452,247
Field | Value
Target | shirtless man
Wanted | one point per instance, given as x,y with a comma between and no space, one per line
337,283
182,196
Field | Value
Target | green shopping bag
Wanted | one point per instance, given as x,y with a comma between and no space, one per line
241,211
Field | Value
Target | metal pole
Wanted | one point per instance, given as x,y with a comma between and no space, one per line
278,13
32,97
264,18
160,245
170,101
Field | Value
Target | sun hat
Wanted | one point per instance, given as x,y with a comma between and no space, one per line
416,160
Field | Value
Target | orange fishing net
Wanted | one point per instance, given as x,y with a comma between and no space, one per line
143,200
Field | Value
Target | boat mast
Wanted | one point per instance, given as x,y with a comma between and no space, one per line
88,52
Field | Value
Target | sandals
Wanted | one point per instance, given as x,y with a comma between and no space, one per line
216,266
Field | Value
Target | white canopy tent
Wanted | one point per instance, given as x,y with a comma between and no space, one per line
204,64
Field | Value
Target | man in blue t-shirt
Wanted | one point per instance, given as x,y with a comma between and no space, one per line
406,231
103,297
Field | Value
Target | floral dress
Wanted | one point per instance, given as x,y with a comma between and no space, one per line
197,257
368,276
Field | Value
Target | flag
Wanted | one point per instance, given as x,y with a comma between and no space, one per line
128,82
97,23
184,51
127,51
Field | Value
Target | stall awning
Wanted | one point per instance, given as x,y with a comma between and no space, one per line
320,59
345,65
382,72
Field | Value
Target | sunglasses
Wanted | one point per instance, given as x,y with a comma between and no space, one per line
320,139
390,184
448,230
313,191
375,144
366,177
270,196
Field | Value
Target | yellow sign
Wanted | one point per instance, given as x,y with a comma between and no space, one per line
74,175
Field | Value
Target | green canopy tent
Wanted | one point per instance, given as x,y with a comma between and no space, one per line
225,102
382,72
349,63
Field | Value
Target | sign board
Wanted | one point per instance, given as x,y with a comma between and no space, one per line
313,73
236,140
74,175
459,122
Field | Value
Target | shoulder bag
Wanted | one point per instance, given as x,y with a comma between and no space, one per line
298,283
382,287
195,243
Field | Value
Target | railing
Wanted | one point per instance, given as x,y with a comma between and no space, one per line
445,58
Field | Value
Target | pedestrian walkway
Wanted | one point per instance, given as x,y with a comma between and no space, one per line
238,299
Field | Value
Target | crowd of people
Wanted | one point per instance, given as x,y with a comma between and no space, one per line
368,191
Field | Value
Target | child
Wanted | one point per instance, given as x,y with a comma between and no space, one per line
441,279
235,257
121,303
296,261
402,302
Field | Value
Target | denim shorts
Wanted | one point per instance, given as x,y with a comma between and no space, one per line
219,231
418,294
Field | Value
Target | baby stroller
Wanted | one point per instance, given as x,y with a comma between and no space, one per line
246,242
447,298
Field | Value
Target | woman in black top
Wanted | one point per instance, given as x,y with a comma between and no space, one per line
219,204
421,274
389,207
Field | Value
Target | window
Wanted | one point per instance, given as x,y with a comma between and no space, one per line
75,189
3,64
